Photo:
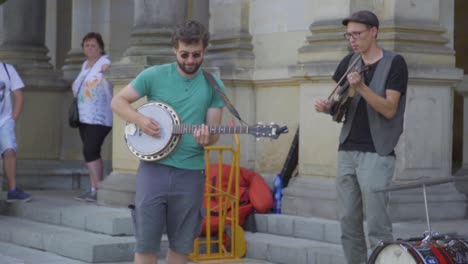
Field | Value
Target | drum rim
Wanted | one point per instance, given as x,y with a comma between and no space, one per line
405,245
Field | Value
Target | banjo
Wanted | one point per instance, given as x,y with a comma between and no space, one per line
149,148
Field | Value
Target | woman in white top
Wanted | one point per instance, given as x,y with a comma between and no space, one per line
94,95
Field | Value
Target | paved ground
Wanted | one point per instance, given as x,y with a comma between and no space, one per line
13,254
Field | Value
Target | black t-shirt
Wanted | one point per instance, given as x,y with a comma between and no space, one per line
359,138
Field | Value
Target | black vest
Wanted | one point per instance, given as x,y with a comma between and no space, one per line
385,132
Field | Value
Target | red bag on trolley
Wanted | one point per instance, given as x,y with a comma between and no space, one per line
254,193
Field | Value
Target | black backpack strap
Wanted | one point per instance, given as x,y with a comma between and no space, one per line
223,96
6,70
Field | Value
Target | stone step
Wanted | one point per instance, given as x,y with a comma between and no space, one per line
117,189
309,228
329,231
52,174
60,208
14,254
67,242
286,250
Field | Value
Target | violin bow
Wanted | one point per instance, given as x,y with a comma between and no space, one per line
344,75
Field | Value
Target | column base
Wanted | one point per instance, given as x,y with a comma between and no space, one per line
310,197
117,189
73,62
42,174
462,186
316,197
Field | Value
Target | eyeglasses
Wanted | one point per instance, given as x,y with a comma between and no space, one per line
355,34
195,55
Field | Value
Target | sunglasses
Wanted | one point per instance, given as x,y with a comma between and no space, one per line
195,55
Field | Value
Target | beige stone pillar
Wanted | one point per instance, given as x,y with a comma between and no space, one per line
231,52
108,18
39,130
199,10
417,30
150,44
462,186
81,24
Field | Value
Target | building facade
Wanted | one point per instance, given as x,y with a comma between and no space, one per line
276,57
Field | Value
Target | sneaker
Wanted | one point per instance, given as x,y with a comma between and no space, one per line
92,197
18,195
82,197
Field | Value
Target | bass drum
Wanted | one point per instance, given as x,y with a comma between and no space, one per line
445,251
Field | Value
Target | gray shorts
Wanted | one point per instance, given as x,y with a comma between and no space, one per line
170,199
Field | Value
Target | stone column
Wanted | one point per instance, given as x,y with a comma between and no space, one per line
463,171
462,61
150,44
415,30
231,53
199,10
81,24
39,129
109,19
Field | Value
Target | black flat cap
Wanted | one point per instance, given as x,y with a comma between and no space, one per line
364,17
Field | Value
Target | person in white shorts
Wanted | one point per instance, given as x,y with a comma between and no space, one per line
11,105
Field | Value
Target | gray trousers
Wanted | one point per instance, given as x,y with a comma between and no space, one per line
358,175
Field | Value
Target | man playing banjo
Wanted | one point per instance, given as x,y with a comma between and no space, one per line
169,192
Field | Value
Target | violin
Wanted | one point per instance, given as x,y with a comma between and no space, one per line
342,98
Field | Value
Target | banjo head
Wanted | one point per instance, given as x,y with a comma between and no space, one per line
149,148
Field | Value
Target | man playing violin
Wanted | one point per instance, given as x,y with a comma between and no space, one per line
373,124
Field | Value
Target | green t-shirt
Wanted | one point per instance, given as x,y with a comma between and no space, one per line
189,97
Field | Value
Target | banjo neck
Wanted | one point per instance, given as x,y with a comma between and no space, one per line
149,148
189,129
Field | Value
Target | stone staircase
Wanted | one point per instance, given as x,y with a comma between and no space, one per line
51,175
54,223
54,228
289,239
293,239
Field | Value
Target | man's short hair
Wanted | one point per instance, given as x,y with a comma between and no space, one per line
364,17
190,32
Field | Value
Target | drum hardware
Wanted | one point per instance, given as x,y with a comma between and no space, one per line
398,187
432,247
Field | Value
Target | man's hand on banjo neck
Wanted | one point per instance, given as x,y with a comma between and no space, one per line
202,135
